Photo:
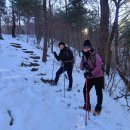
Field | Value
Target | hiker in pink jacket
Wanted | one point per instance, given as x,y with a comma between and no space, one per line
92,64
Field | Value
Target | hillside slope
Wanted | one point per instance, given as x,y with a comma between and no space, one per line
35,105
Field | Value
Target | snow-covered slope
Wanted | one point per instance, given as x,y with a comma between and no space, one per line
34,105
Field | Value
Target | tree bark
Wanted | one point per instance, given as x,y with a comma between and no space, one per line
38,32
67,29
111,37
0,28
13,20
118,65
51,26
44,57
104,28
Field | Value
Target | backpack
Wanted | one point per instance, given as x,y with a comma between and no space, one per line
70,53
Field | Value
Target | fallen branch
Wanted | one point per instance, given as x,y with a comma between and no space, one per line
10,115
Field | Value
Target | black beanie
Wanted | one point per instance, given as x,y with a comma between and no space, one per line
61,43
87,44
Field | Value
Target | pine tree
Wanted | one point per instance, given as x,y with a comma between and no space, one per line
27,7
76,13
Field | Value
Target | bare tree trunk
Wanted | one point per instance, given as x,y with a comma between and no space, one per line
0,28
27,28
104,28
67,29
44,57
109,51
19,22
115,34
51,26
38,29
111,37
13,20
118,66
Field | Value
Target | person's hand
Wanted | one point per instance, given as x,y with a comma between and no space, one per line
54,53
62,64
85,65
87,74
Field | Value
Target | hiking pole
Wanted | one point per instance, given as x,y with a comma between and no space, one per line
64,80
53,68
87,105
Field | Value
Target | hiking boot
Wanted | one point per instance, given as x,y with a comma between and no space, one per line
54,84
98,108
84,108
69,89
96,113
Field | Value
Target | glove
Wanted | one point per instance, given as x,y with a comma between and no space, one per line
84,64
62,64
54,53
82,59
87,73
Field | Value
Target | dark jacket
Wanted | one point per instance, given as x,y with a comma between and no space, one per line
66,57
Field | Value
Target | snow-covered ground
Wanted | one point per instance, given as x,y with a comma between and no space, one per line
34,105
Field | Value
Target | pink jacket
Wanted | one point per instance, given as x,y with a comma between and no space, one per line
96,69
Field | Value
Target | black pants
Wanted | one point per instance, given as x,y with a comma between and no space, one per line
99,85
69,73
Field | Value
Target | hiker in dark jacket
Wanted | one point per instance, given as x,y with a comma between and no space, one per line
67,59
91,63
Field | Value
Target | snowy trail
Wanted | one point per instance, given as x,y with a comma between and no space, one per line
35,105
